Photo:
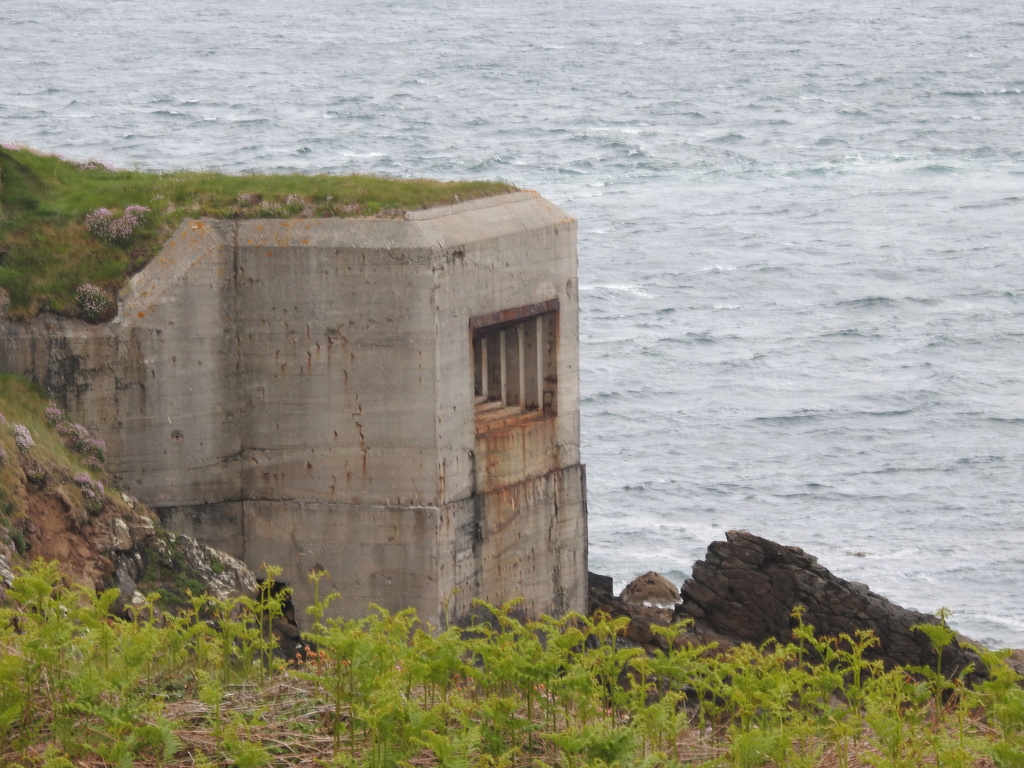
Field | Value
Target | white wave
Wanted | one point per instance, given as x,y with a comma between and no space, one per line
633,289
1001,620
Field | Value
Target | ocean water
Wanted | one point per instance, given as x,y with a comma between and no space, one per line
801,234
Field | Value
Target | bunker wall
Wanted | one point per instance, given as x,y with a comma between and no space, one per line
337,346
301,393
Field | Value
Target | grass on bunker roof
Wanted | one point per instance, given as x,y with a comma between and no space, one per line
47,248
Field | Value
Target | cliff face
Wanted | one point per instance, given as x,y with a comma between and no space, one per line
57,503
114,545
302,393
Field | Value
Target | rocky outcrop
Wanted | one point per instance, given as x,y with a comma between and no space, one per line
745,591
106,540
114,543
747,588
171,564
602,600
651,589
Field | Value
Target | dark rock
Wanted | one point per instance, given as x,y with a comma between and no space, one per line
283,627
140,528
129,566
600,584
126,586
747,588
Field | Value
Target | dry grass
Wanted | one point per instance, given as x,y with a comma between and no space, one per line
288,718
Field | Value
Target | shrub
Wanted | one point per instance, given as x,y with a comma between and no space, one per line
93,301
76,437
90,489
22,437
103,224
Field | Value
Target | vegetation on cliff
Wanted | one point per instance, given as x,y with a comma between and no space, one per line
34,454
58,503
67,224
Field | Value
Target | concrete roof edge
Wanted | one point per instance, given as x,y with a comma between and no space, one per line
473,205
419,231
191,242
418,237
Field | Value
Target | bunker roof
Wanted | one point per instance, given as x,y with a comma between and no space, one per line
66,223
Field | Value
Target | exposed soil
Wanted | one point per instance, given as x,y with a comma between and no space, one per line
55,530
105,541
55,523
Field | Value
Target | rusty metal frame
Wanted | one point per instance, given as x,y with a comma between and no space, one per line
494,320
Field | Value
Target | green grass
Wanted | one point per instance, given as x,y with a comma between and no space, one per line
46,250
22,402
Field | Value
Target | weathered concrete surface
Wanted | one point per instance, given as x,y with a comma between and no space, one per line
287,388
527,539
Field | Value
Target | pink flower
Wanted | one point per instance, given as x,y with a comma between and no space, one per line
102,223
22,437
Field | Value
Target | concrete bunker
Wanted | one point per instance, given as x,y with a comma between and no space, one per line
395,401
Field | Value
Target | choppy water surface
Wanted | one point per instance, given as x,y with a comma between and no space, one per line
801,227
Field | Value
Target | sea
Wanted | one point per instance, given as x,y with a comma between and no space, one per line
801,227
